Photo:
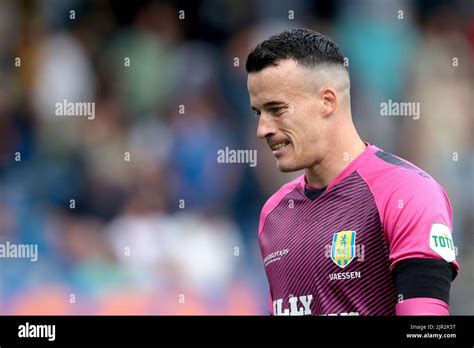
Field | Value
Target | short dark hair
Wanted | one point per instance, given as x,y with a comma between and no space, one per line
307,47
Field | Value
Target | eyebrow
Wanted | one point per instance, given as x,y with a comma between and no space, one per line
270,104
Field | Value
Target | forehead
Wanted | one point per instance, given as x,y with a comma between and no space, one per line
282,81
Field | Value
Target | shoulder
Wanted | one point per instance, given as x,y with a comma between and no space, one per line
396,183
276,198
414,209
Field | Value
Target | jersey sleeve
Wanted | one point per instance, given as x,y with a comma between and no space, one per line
263,214
422,306
417,220
267,208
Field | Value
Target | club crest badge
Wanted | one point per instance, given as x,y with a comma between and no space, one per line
343,248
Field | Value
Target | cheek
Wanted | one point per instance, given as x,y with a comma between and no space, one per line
308,132
308,142
307,121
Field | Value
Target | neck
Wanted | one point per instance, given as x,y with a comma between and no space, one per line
340,154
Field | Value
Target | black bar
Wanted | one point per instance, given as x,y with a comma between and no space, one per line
137,331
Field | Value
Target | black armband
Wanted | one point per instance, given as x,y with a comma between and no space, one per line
424,278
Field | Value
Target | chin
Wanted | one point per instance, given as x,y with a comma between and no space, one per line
285,167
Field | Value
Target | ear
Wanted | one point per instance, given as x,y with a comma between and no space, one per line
329,99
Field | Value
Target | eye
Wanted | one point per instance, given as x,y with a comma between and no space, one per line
276,110
256,113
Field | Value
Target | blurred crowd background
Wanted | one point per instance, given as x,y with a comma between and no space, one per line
157,225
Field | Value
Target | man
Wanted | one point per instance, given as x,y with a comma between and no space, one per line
362,232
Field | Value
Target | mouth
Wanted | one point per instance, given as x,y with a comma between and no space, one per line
279,148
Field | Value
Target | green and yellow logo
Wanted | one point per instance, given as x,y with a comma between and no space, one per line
442,242
342,250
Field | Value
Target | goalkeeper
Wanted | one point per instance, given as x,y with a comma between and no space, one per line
362,232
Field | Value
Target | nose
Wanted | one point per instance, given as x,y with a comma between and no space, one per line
265,128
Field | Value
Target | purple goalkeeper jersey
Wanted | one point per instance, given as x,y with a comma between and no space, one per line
331,252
